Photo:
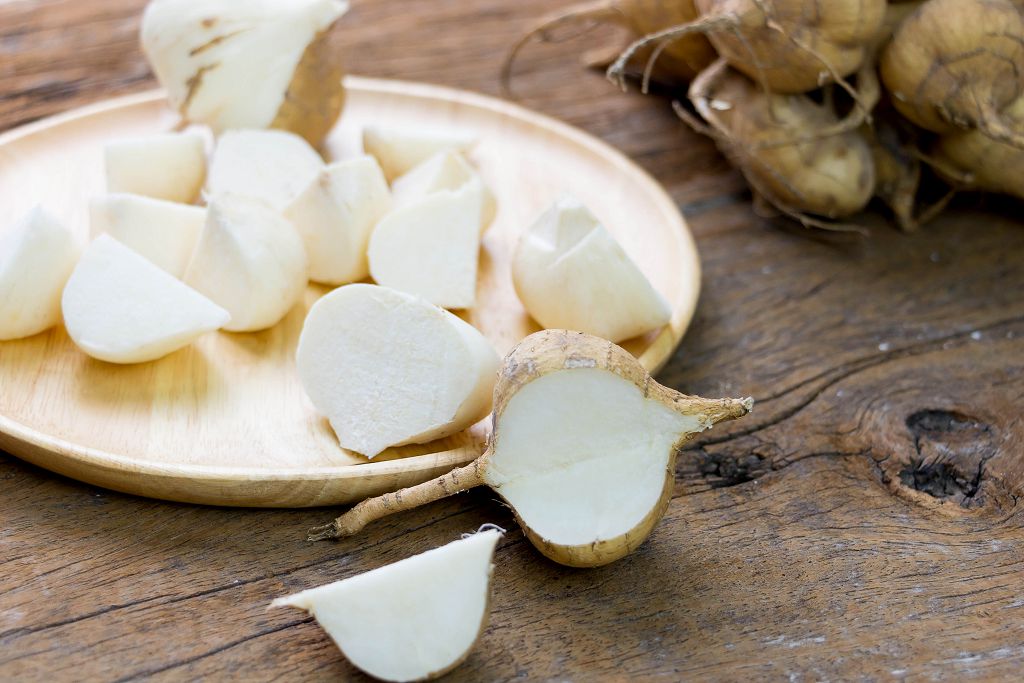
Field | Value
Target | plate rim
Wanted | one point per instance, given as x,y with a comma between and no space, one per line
664,345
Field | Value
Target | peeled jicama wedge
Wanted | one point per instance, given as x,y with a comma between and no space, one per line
164,232
169,166
36,259
399,150
570,273
335,215
249,260
583,449
447,170
270,165
412,620
430,247
250,64
121,308
389,369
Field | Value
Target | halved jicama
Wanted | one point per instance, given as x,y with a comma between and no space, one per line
412,620
583,449
251,64
570,273
335,215
250,260
164,232
169,166
447,170
121,308
271,165
389,369
36,259
431,247
400,149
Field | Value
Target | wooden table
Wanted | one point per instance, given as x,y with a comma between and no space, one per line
862,524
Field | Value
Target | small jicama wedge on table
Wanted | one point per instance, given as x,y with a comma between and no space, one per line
249,260
400,149
431,247
335,216
412,620
252,64
164,232
583,449
570,273
36,259
270,165
447,170
120,307
170,166
389,369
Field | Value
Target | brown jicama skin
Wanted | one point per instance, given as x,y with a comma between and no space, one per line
567,357
972,160
677,63
957,65
789,46
786,146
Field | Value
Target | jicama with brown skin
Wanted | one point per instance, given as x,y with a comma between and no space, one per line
583,449
957,65
793,151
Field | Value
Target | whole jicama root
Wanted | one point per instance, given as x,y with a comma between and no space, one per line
791,149
789,46
957,65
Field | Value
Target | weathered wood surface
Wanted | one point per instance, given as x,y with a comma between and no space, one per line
862,524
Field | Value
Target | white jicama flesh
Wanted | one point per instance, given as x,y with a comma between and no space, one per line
389,369
121,308
164,232
412,620
335,216
431,248
250,261
447,170
570,273
169,166
583,449
252,64
270,165
400,149
36,259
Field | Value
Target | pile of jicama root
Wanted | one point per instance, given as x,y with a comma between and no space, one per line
823,105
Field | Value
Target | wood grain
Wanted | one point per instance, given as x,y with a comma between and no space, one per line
172,428
862,524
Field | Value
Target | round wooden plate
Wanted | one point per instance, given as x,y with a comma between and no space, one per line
225,421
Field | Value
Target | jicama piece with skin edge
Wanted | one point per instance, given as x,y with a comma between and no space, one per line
389,369
252,64
250,260
335,216
431,247
399,150
36,259
119,307
164,232
269,165
446,170
570,273
583,449
169,166
412,620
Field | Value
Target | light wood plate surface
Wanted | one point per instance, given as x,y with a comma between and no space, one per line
226,421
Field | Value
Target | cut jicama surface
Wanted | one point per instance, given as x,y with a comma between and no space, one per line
447,170
36,259
170,166
164,232
388,369
400,149
119,307
412,620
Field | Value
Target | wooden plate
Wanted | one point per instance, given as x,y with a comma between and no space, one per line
225,421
